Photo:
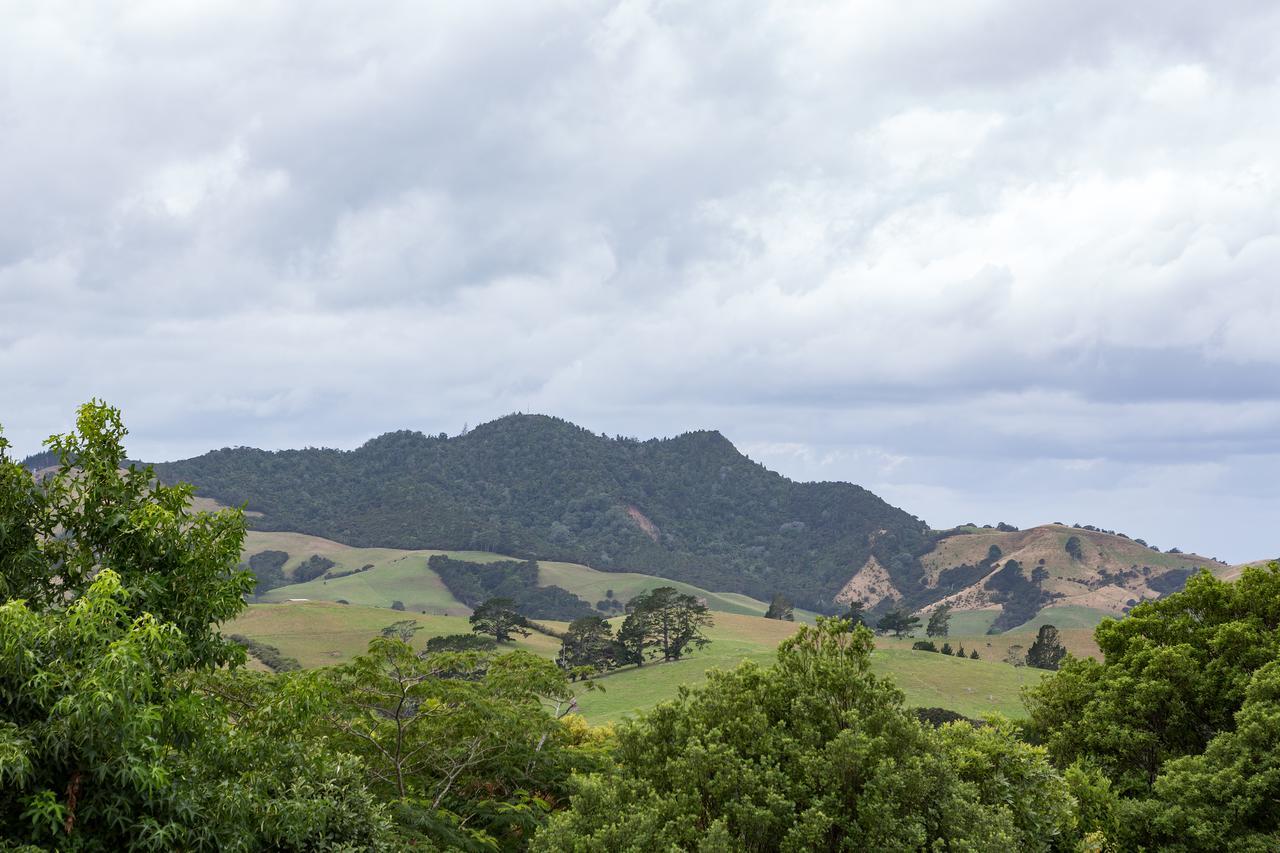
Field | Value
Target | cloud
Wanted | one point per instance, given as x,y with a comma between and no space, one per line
975,256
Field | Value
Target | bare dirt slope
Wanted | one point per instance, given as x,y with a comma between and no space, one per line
1069,566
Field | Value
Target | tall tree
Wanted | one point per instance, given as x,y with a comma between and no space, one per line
856,615
899,621
939,622
589,643
498,618
111,591
635,638
1047,651
675,620
780,608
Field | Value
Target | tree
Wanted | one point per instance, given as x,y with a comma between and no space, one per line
973,655
1177,722
588,643
94,513
674,621
1047,651
635,638
397,605
498,618
856,613
429,738
946,649
899,621
1016,655
960,652
939,621
402,630
814,753
460,643
1174,675
780,608
110,736
1074,548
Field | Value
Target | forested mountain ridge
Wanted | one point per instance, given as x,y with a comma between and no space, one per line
692,508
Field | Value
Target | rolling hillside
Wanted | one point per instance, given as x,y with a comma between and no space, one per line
323,633
1008,577
690,508
398,575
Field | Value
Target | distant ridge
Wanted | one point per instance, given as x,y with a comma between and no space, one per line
691,508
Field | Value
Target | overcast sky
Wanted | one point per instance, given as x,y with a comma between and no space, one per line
995,261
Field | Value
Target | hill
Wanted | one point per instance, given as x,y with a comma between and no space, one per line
690,508
1009,576
376,577
323,633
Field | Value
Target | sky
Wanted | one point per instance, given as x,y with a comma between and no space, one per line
995,261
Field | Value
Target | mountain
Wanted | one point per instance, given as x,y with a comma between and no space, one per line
690,508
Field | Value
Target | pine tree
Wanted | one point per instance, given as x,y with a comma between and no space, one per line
939,622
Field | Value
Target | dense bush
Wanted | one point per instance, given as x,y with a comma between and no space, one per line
475,583
271,657
312,568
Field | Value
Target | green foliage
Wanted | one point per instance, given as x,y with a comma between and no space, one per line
781,608
458,755
461,643
1225,798
1020,599
813,753
108,738
856,614
588,643
268,570
1074,548
540,487
924,646
312,568
939,621
1047,651
271,657
93,514
898,621
498,618
473,583
1180,717
672,621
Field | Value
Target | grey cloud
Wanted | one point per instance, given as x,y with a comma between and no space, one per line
977,255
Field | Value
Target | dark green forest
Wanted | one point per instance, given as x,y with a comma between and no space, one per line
473,583
129,722
538,487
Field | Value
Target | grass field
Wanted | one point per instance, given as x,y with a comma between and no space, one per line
322,633
403,576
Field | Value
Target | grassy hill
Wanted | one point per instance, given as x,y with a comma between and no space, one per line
400,575
322,633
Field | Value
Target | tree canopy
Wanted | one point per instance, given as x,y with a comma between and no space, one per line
1184,694
813,753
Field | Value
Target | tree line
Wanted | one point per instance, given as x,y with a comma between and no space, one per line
661,623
